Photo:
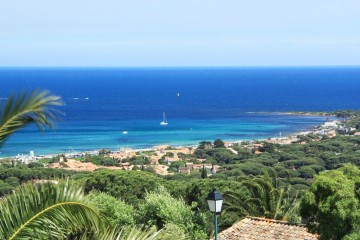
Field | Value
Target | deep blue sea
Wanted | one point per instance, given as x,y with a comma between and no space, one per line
200,104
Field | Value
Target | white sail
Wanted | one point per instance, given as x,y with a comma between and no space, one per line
164,121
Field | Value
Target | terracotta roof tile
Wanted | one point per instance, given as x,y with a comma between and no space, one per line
252,228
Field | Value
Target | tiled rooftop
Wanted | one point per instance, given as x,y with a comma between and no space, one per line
252,228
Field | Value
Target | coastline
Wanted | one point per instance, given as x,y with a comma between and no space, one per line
299,113
334,125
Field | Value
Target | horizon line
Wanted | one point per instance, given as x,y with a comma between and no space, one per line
179,66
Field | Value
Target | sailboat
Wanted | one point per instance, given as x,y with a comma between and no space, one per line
164,122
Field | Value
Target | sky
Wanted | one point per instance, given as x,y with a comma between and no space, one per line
179,33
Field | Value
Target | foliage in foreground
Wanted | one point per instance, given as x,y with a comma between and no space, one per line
35,107
133,233
163,210
46,211
332,204
61,211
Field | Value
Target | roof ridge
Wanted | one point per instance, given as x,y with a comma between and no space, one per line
275,221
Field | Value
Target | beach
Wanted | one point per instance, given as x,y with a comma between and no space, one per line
328,128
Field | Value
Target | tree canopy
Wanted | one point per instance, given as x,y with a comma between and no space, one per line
332,204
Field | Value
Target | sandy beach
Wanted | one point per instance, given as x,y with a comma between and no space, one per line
328,128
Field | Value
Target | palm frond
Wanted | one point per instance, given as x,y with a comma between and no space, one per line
238,203
130,233
267,198
36,107
47,211
139,234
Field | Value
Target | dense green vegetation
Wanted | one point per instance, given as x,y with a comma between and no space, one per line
332,204
100,160
275,178
13,176
264,180
135,187
294,160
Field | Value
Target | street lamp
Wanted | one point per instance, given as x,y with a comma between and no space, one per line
215,201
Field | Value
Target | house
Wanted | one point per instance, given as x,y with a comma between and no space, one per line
207,166
154,158
332,124
125,165
170,160
201,159
189,164
161,169
184,170
265,229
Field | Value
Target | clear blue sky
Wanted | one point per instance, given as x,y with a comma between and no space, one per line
179,32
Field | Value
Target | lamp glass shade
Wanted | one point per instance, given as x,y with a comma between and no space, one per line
215,201
215,206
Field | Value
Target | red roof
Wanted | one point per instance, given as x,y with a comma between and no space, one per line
252,228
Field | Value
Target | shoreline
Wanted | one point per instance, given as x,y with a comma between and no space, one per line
312,130
298,113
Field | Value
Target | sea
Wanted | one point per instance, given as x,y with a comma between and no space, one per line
117,108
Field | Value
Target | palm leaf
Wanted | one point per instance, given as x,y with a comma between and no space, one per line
47,211
138,234
133,233
240,203
24,109
267,198
235,202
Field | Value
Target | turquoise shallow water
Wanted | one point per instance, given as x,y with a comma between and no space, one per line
200,104
144,133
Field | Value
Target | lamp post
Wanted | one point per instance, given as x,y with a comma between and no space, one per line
215,201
